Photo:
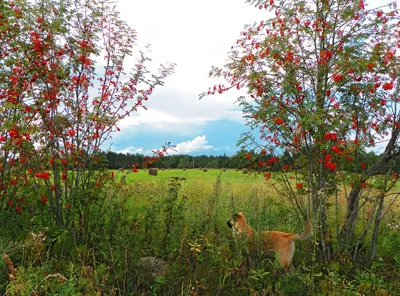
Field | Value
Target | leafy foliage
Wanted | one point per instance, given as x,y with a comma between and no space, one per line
58,108
323,84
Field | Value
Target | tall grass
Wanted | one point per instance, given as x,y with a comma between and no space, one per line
183,222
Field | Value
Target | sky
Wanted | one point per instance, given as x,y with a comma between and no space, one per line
194,35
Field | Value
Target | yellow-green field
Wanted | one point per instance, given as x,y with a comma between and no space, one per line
192,175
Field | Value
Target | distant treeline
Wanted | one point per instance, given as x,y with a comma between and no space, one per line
121,160
238,160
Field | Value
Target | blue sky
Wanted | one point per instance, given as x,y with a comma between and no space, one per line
195,35
214,137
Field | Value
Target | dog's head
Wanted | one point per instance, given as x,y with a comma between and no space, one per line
237,222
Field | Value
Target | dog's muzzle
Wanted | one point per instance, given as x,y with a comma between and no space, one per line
229,223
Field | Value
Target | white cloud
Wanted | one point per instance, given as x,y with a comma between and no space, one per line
197,144
195,36
132,150
143,116
224,148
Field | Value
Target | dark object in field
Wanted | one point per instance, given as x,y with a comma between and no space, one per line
153,171
200,169
151,267
224,170
184,169
245,171
237,169
204,170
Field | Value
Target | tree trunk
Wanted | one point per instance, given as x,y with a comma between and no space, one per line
375,233
363,235
319,208
351,217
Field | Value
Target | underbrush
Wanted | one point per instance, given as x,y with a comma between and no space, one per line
184,225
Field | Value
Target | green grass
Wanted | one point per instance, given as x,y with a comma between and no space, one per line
184,223
196,175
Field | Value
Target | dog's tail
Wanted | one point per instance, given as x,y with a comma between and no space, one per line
307,233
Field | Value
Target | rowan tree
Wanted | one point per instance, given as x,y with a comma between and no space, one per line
64,88
322,79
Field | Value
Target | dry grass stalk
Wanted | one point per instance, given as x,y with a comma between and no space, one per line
60,277
10,266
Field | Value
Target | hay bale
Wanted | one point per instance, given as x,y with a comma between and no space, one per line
245,171
153,171
204,170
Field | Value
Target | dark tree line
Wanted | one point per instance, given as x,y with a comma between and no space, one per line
238,160
121,160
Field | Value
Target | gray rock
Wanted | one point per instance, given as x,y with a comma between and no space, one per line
151,267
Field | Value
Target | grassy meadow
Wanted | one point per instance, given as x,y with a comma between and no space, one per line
182,221
189,231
